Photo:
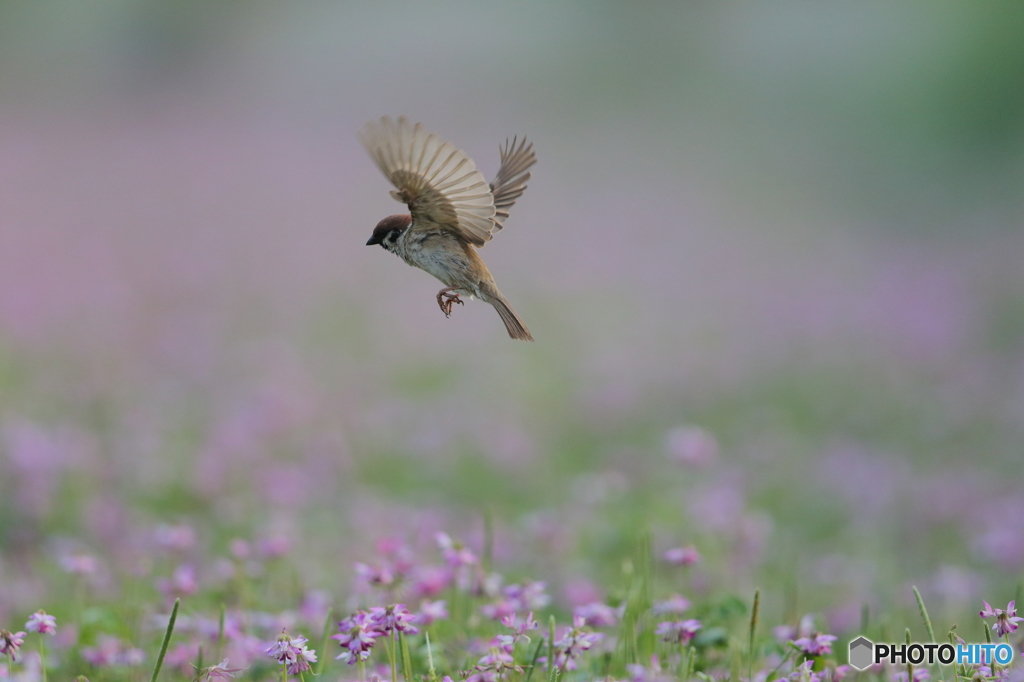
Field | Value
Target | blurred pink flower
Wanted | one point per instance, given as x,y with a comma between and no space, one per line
530,596
42,622
219,671
805,673
239,548
679,632
579,591
79,564
274,547
426,581
920,675
573,642
682,556
815,644
640,673
10,643
597,614
181,655
783,633
367,577
175,538
431,611
691,446
110,650
315,606
494,666
1000,538
677,603
181,583
454,552
718,507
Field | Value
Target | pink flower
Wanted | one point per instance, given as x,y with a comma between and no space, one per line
679,632
803,673
429,580
292,652
110,650
42,622
183,582
815,644
1006,621
682,556
356,637
597,615
574,641
677,603
79,564
455,553
370,576
10,643
431,611
519,628
393,617
175,538
494,666
219,671
691,446
920,675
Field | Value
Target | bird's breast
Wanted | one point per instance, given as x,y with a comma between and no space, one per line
439,253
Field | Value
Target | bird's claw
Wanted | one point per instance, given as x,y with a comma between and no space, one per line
445,299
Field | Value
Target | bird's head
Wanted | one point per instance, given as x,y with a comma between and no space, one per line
389,230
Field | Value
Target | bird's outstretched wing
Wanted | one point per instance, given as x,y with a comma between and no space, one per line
440,184
510,182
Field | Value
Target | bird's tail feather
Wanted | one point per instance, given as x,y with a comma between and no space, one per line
515,326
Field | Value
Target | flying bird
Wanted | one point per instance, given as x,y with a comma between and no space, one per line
452,209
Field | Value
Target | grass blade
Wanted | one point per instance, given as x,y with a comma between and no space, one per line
167,640
924,615
533,661
753,629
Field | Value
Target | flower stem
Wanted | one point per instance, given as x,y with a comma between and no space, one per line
406,658
552,670
325,641
392,656
220,633
42,656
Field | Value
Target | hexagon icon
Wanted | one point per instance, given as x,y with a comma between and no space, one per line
861,653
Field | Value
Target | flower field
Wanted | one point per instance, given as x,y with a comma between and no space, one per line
776,400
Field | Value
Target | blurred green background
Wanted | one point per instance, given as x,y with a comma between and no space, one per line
771,253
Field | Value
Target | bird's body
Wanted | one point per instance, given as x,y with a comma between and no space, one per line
452,211
444,256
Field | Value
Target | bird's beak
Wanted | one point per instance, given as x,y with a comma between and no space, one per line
374,239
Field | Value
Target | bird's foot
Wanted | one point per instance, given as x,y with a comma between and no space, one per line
446,298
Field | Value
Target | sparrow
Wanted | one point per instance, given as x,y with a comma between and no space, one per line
452,209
